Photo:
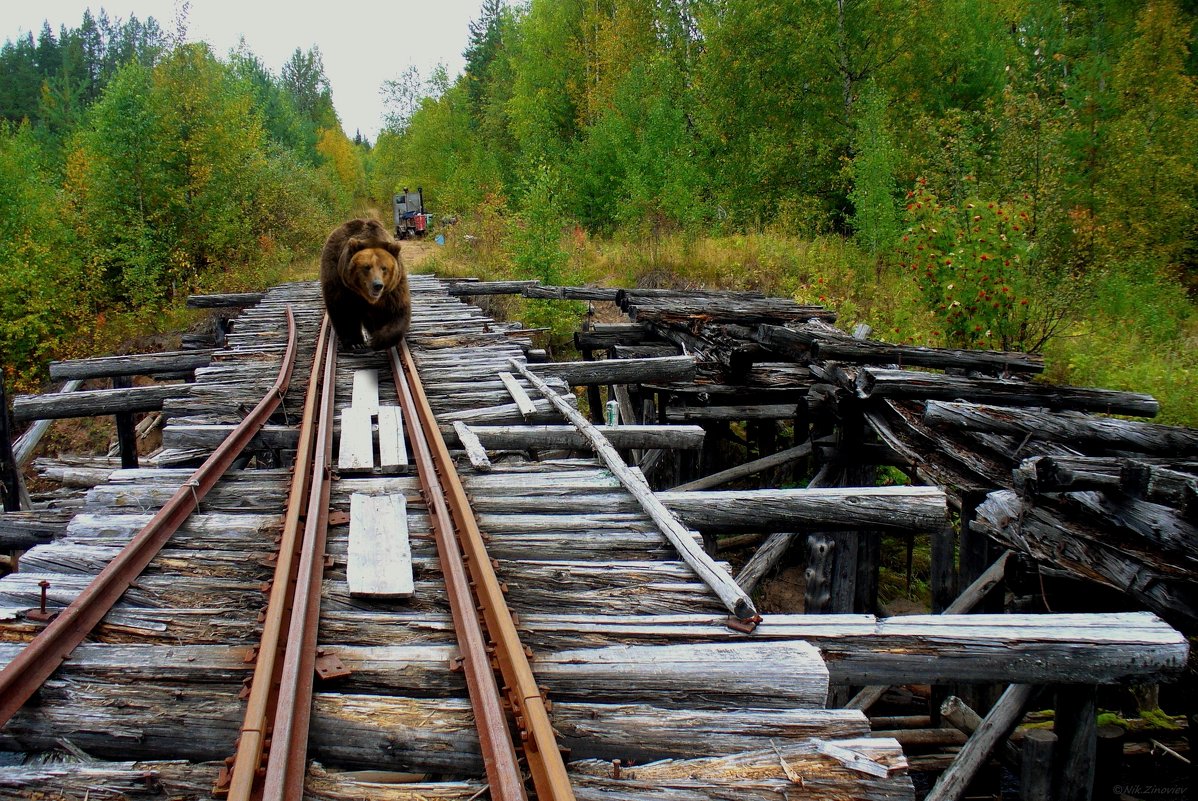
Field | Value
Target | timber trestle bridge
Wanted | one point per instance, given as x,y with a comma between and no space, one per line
425,574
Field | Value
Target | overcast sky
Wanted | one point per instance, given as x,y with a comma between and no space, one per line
363,42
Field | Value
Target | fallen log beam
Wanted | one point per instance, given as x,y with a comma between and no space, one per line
137,364
902,508
1068,474
714,576
91,403
1161,485
874,382
1123,435
608,335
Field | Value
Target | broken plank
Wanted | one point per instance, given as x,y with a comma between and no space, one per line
523,402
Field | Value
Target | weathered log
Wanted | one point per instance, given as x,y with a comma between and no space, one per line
965,602
1076,727
25,445
962,716
90,403
603,336
995,728
902,508
1161,485
1068,474
664,310
209,437
818,342
713,575
866,769
471,288
570,293
747,469
620,371
874,382
538,437
183,361
1125,435
229,300
1124,563
1035,776
20,531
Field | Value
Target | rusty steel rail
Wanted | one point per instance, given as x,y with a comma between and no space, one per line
241,781
22,677
286,765
450,511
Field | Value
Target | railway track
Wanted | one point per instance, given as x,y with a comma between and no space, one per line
538,579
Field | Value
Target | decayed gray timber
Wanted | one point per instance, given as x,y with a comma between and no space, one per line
903,508
875,382
229,300
869,769
470,288
725,309
1161,485
533,437
1068,474
608,335
621,371
713,575
88,403
1125,563
23,448
20,531
821,342
475,452
773,674
409,735
182,361
209,436
994,728
1128,435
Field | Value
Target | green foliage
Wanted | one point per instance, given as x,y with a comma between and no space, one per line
875,162
42,287
973,264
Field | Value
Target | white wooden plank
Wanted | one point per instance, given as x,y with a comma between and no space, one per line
392,447
380,558
523,402
366,389
357,438
474,449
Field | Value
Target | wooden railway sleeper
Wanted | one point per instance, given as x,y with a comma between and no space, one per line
542,752
26,673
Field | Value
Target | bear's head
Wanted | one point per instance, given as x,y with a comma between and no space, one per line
371,268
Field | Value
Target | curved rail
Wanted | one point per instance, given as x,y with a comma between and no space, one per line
241,780
22,677
449,499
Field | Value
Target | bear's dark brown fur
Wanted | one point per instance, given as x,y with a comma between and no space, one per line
364,285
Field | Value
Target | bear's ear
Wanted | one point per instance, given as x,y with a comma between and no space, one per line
353,245
393,248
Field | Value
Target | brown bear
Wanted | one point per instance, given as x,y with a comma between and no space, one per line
364,286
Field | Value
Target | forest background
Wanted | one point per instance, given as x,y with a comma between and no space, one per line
1014,174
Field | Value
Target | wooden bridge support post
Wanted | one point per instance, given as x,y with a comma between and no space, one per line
1035,770
1077,742
10,476
126,435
